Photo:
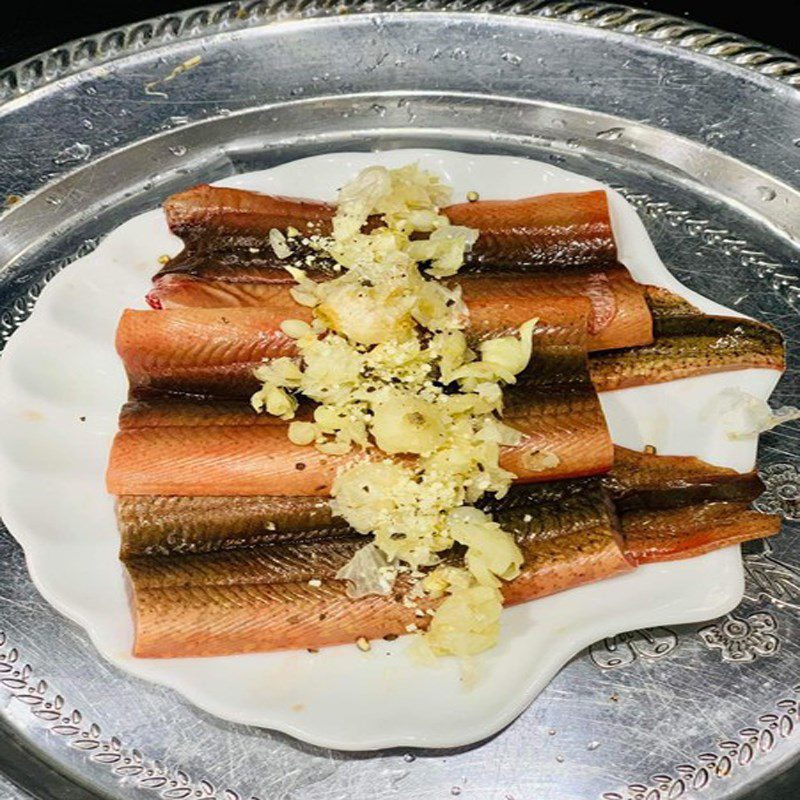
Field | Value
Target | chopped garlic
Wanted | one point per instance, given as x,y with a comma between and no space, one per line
539,461
744,416
403,424
365,315
386,360
368,572
278,242
492,553
466,623
295,328
302,433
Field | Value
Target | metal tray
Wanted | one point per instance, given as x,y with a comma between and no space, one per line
700,130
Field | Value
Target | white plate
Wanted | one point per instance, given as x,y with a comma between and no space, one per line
61,386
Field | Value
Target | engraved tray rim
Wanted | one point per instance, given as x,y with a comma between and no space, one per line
46,69
52,65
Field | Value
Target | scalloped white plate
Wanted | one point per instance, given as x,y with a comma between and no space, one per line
61,386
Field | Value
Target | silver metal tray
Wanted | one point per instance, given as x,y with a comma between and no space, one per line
701,131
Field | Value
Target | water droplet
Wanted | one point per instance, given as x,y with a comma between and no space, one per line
796,142
766,193
572,143
178,150
455,791
409,758
551,732
88,124
611,134
378,109
91,89
593,745
224,112
512,58
560,758
459,54
73,154
178,120
53,200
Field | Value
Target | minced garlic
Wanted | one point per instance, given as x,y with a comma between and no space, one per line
743,415
387,362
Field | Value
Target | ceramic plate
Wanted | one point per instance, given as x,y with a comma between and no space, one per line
61,387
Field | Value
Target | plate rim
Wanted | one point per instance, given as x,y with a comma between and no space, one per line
78,55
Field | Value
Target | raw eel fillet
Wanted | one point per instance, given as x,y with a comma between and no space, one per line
619,316
565,229
686,343
228,449
222,600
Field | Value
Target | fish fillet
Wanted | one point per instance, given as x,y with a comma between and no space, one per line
160,524
687,343
553,403
619,315
554,230
259,598
669,534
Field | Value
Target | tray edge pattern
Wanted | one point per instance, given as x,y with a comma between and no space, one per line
40,70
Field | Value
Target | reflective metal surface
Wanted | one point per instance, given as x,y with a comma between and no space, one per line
700,130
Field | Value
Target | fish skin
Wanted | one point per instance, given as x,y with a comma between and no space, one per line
260,598
684,346
260,617
213,352
165,524
184,291
663,303
649,481
259,459
565,229
200,351
168,524
161,525
298,562
676,533
619,317
208,351
689,345
182,412
553,403
217,460
248,216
